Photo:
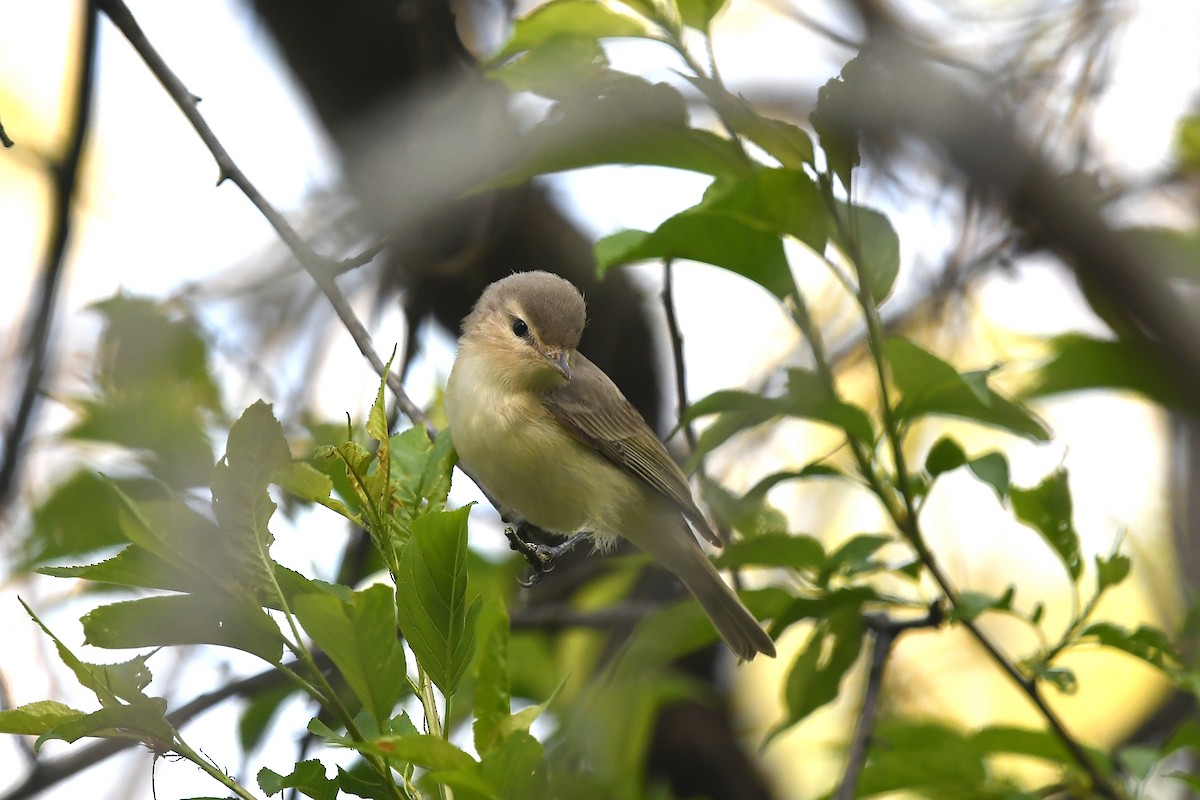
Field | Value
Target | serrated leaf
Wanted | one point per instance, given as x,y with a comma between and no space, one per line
34,719
1047,509
255,455
133,567
142,720
420,474
431,588
929,385
221,619
111,683
816,674
361,638
585,19
798,552
78,516
308,778
868,238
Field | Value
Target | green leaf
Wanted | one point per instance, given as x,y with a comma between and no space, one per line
1187,143
808,398
423,750
800,608
1042,744
259,711
586,19
798,552
1079,362
992,469
432,604
133,567
784,201
220,619
1146,643
854,557
308,778
923,759
420,473
1111,571
1047,509
720,238
788,144
35,719
255,455
605,116
816,674
143,720
751,515
945,455
492,697
868,238
929,385
111,683
517,767
79,516
699,14
1061,678
972,603
361,639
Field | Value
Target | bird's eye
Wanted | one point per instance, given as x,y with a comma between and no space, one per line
520,328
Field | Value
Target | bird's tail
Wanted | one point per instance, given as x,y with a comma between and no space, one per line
683,556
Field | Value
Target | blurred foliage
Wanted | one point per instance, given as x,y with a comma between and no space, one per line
204,574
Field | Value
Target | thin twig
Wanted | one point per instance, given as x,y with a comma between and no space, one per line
37,329
681,396
884,632
4,140
321,269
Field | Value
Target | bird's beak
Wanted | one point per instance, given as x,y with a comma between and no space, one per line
559,359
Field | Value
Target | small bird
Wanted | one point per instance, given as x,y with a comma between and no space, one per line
554,440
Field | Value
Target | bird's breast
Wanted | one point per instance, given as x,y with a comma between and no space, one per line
508,440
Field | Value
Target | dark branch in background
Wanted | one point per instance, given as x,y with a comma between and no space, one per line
4,140
681,397
884,632
321,269
36,337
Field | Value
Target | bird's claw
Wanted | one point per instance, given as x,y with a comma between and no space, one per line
540,557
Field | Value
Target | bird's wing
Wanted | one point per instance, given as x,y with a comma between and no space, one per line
593,410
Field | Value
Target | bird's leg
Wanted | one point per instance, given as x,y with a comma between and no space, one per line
540,556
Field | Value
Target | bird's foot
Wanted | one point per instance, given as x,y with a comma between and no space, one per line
541,557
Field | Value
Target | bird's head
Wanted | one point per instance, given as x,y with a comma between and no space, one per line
527,327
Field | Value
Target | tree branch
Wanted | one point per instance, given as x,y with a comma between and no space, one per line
319,268
884,631
37,328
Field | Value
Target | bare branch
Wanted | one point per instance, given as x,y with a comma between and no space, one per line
37,328
884,631
318,267
4,140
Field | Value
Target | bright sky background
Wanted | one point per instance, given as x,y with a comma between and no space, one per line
153,221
